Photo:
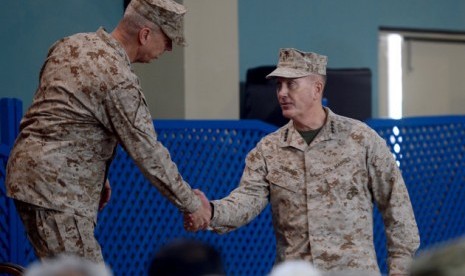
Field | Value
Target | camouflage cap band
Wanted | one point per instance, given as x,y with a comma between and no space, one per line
295,64
167,14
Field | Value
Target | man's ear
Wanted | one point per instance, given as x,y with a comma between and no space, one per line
144,35
319,88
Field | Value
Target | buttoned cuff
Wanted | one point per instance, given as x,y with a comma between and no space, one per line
215,218
399,266
193,205
217,221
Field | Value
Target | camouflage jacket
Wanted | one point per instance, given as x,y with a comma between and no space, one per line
88,101
322,197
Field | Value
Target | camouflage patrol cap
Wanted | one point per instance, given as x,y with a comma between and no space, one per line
167,14
295,64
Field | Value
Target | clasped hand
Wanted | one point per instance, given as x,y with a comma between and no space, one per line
200,219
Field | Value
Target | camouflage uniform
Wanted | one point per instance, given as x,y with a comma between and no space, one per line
322,197
88,101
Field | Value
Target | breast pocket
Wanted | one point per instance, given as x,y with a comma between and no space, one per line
286,191
342,181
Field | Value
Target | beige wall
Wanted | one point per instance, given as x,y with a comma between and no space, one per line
200,81
163,85
433,81
432,74
212,60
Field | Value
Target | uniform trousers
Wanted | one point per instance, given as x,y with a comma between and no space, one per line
52,232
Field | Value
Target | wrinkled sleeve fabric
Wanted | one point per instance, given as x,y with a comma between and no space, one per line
393,201
131,121
245,202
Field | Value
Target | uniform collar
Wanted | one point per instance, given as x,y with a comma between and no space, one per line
290,137
113,43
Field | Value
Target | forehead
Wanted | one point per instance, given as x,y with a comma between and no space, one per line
286,80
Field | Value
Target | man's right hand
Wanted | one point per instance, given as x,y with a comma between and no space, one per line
200,219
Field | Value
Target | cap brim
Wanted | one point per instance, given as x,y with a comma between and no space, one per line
289,73
175,37
178,40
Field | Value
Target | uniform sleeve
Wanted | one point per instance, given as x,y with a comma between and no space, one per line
245,202
132,123
393,201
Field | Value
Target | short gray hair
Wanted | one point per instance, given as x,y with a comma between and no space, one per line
67,265
134,21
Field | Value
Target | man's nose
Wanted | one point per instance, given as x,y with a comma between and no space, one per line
282,92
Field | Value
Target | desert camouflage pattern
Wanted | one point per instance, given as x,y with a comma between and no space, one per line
442,259
88,101
322,197
167,14
294,63
53,233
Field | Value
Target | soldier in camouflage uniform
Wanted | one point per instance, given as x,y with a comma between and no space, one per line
321,173
88,101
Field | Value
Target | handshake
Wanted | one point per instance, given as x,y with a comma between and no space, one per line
200,219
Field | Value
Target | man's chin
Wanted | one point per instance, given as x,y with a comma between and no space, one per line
287,115
150,60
